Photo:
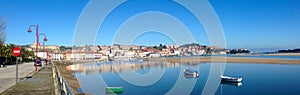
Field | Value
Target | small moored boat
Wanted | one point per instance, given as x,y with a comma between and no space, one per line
190,72
230,79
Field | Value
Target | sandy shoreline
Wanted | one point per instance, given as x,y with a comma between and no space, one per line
227,60
69,77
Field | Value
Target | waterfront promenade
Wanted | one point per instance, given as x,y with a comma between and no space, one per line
8,74
40,83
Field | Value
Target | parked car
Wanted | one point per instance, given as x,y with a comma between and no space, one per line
38,64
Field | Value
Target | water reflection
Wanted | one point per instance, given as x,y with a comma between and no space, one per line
175,82
94,77
119,66
238,84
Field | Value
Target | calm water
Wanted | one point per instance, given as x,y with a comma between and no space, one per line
258,79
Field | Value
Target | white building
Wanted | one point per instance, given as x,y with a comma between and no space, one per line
176,52
143,54
154,55
57,56
83,55
202,51
42,55
129,54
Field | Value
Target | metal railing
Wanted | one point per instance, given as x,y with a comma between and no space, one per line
61,85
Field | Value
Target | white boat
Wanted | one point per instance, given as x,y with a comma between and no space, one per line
191,72
230,79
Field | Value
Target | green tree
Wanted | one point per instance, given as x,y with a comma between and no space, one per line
62,48
26,55
99,48
6,53
7,57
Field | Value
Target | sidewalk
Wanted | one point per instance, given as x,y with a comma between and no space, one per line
41,83
8,74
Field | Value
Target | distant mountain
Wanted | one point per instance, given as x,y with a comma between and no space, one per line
260,50
289,51
24,45
274,50
191,44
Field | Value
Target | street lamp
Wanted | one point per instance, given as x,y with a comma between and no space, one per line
37,42
44,40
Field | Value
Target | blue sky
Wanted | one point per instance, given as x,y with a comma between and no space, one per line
246,23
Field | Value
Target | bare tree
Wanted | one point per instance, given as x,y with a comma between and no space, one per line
3,24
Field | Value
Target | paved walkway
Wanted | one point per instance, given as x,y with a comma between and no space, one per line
8,74
41,82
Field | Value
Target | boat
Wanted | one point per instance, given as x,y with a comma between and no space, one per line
187,76
230,79
191,72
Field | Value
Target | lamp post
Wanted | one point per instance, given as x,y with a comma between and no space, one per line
37,42
44,40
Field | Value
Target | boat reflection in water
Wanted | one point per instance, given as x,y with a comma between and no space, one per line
238,84
118,66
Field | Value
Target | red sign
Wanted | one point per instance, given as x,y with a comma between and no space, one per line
16,51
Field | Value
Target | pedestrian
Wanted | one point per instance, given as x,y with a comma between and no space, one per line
46,61
1,63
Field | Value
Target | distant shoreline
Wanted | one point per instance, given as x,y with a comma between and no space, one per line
282,54
208,59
